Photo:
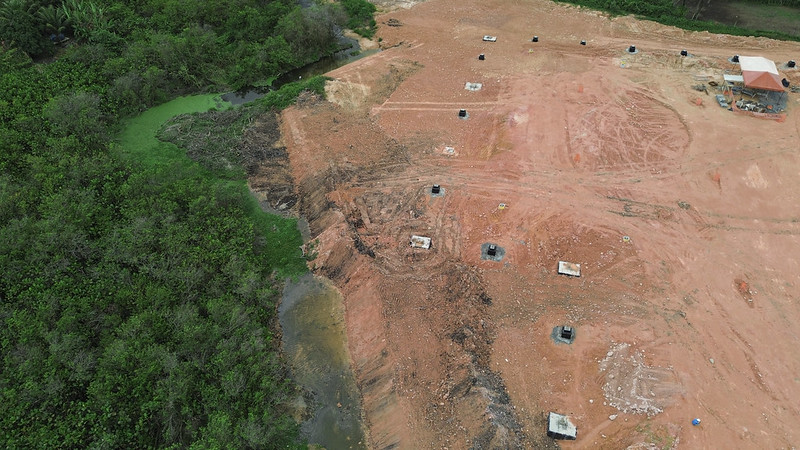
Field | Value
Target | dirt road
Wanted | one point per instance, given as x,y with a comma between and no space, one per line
682,215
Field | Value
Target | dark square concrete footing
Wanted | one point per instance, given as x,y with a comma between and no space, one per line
492,254
563,334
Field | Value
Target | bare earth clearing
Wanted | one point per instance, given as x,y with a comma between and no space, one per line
695,315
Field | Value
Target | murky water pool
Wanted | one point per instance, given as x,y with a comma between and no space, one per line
315,344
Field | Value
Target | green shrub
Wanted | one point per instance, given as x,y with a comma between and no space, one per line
287,94
360,16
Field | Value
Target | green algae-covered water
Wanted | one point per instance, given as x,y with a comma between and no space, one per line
138,139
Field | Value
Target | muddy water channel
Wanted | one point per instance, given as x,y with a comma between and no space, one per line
311,315
320,67
315,344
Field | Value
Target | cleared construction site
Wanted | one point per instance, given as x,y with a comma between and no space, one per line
559,241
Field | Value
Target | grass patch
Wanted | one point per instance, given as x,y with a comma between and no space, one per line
658,435
212,139
289,92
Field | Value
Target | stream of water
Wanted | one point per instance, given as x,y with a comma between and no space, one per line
311,315
315,343
320,67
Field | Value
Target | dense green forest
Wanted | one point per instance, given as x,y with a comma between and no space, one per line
137,300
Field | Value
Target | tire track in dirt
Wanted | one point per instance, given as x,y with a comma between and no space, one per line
396,205
532,184
632,208
423,373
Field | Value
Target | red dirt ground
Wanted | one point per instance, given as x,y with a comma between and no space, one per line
693,314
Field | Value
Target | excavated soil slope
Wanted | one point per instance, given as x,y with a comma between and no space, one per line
681,214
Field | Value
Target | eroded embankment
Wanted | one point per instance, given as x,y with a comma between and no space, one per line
420,344
419,324
314,337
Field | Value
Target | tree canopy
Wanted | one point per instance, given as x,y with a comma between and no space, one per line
138,301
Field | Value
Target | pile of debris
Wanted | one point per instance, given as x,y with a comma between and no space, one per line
750,105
